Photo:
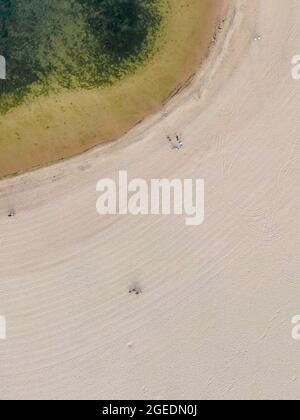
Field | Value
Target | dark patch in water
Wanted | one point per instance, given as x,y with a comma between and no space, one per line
71,43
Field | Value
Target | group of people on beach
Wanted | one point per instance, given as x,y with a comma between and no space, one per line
136,290
177,143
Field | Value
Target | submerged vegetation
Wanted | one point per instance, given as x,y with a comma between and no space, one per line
97,92
69,44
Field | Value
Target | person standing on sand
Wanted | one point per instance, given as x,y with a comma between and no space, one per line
179,142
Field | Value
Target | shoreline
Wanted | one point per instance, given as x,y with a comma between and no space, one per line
190,69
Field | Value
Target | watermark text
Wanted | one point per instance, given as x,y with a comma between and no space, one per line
2,328
157,197
2,68
296,329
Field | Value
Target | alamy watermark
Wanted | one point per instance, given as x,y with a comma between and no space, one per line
296,67
2,328
157,197
296,76
296,328
2,68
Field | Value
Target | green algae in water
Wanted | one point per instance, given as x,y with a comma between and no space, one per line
51,45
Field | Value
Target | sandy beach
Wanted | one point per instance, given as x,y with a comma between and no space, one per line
214,317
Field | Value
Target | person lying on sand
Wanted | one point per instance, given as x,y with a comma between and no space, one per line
178,144
11,213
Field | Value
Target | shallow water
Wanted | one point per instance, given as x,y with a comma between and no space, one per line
70,44
66,123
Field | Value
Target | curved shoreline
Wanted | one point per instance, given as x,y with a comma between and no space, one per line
45,147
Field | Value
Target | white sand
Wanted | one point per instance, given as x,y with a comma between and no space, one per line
214,319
